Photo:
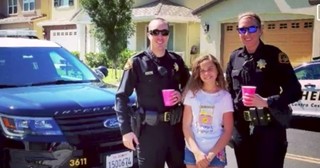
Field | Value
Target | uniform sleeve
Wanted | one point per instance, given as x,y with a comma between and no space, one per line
125,89
291,88
185,74
229,78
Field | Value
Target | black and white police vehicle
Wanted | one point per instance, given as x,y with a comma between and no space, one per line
308,75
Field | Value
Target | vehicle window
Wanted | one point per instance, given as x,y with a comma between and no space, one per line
309,72
65,68
28,66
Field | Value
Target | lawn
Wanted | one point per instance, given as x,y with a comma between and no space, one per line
114,76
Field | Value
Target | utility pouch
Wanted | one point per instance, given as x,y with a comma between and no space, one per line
176,115
263,117
151,117
257,116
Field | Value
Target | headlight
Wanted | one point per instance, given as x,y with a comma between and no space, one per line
19,127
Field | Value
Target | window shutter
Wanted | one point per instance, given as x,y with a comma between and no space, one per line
56,3
70,2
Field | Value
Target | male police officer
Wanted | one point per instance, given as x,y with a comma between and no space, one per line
260,131
161,138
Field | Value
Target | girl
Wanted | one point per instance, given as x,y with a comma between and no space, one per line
207,116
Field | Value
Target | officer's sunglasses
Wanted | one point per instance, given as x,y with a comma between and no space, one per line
244,30
156,32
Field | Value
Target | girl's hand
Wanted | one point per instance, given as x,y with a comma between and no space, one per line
210,156
201,160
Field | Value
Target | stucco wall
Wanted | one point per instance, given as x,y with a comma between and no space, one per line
227,11
141,37
180,38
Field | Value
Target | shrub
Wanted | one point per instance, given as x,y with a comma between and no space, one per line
76,53
96,59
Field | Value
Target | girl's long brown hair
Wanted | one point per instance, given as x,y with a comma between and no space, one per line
195,83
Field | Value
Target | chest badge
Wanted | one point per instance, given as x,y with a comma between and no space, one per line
176,67
261,64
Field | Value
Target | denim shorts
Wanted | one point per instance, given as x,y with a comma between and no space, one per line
220,160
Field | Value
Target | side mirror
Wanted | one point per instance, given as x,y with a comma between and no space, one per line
101,71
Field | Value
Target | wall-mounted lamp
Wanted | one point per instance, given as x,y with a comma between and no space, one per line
206,27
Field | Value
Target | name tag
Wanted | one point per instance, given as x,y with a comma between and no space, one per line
149,73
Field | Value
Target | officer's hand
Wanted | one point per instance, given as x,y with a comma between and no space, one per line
130,140
176,97
254,100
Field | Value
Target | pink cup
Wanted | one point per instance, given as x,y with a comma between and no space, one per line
167,96
247,90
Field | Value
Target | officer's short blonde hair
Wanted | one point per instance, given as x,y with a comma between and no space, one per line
250,15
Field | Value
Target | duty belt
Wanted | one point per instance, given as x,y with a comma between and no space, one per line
257,116
153,117
165,117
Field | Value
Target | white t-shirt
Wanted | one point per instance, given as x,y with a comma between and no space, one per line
207,111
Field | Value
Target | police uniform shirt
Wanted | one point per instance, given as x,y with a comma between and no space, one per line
269,70
148,75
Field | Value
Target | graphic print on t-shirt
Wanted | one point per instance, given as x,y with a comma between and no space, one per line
205,121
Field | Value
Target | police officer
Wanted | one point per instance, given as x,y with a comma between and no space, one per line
261,119
160,139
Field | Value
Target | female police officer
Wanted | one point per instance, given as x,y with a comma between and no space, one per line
161,138
260,132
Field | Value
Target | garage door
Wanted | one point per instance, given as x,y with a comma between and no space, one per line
66,38
293,37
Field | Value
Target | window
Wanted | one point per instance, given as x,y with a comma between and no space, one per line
309,72
283,25
271,26
12,6
295,25
28,5
229,28
58,3
307,24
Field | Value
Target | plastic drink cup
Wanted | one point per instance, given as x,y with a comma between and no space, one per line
167,96
249,90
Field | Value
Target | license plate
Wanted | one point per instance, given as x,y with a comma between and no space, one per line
120,160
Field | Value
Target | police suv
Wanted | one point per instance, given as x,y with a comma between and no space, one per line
308,75
54,110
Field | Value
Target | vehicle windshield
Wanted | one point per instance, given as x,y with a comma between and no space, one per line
310,72
31,66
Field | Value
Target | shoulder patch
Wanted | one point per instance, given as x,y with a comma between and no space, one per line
283,58
128,64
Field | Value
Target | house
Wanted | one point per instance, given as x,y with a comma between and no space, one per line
24,14
288,24
184,26
60,28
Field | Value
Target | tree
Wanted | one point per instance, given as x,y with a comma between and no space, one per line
113,26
